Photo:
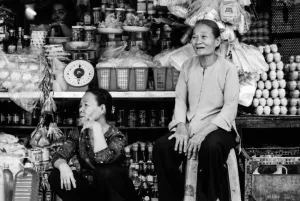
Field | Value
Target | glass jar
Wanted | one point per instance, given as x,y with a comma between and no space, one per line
120,14
89,33
77,33
87,18
109,11
97,15
141,5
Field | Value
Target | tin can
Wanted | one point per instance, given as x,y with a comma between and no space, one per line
77,33
87,18
89,33
121,118
36,155
142,117
162,118
141,5
132,118
45,154
97,15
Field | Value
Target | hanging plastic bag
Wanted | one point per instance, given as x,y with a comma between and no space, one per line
247,91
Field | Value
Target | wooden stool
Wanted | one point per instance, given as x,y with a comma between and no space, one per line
192,172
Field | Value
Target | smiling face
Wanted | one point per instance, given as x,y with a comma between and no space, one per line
203,40
89,108
59,13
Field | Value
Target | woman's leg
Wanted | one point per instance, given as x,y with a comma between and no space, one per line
81,192
213,176
167,162
111,183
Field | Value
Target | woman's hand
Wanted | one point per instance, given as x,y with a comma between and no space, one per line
181,135
194,145
66,177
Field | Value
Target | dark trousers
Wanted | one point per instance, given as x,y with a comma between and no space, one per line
212,182
110,183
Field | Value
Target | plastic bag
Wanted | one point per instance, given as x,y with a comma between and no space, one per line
113,51
247,91
58,83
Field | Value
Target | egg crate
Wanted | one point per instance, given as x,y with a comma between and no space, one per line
289,157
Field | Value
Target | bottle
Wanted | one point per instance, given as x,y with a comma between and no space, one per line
48,193
150,152
36,116
3,113
127,156
135,153
41,192
9,114
145,192
154,193
23,118
9,182
143,152
19,45
11,46
28,118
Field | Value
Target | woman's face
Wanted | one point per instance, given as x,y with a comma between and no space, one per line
89,108
59,12
203,40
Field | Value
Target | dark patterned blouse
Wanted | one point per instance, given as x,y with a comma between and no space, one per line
80,143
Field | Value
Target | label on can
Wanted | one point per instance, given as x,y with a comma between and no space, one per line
36,155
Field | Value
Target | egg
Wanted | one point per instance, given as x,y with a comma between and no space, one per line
276,110
265,93
279,65
292,59
280,75
259,110
292,101
268,84
264,76
293,75
255,102
287,68
272,75
282,83
270,102
274,48
297,58
15,76
256,77
4,74
298,67
261,49
258,93
283,110
293,66
275,84
267,49
267,110
295,93
291,85
269,57
272,66
276,101
262,101
283,102
261,85
277,57
274,93
281,93
293,110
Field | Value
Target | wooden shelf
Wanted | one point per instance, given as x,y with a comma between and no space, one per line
125,94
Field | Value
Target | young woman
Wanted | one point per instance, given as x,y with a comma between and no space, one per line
205,109
101,151
60,19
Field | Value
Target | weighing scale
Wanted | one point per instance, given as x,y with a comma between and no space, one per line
78,74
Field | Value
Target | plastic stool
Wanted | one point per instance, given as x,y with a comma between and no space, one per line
233,174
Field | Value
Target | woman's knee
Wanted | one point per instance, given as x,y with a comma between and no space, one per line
109,172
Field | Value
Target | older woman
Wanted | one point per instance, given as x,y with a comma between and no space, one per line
204,119
101,152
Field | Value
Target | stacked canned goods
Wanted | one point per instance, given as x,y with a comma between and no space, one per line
40,158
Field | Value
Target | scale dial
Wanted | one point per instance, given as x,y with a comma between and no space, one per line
79,73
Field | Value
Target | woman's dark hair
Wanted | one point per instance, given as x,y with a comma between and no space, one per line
103,97
213,25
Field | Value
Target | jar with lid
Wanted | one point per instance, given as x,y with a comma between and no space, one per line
129,12
150,5
77,33
109,11
120,14
89,33
97,15
87,18
141,5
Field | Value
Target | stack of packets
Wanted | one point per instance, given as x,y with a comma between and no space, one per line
56,51
38,38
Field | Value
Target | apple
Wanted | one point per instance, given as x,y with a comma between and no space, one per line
277,57
272,75
272,66
283,102
293,75
259,110
270,102
298,67
293,110
261,49
258,93
291,85
293,66
262,101
274,93
282,83
265,93
261,85
268,84
269,57
279,65
255,102
295,93
274,48
281,93
283,110
275,84
276,110
276,101
298,85
267,49
264,76
280,75
292,101
267,110
297,58
292,59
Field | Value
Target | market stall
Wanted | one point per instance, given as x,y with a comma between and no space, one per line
135,50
